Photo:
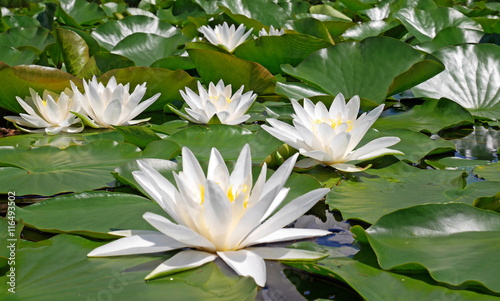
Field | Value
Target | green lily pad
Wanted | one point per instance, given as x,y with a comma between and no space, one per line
10,236
109,34
13,57
146,48
62,140
63,214
272,51
245,11
229,140
415,146
432,116
103,62
489,172
297,90
392,188
138,135
375,284
19,21
214,66
49,170
316,28
34,38
456,243
74,49
425,24
382,60
174,63
79,12
170,127
452,36
367,29
59,267
39,78
158,80
471,79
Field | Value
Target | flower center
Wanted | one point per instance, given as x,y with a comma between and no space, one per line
230,195
334,122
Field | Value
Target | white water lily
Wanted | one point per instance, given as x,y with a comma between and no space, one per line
220,215
330,136
50,114
272,32
218,100
229,37
111,105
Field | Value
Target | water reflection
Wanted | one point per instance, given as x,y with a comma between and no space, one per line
481,144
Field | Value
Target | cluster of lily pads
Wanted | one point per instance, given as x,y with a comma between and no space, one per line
354,110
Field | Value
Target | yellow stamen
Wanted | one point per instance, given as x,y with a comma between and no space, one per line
44,103
228,100
335,123
202,192
230,195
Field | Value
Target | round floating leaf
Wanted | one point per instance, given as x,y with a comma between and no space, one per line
49,170
10,234
59,267
471,78
214,66
146,48
103,62
36,38
392,188
229,140
425,24
489,172
368,29
375,62
452,36
174,63
19,21
13,57
456,243
163,81
432,116
79,12
63,214
109,34
39,78
375,284
74,49
138,135
245,11
415,146
272,51
296,90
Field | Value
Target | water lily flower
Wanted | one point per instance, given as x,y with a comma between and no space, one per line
223,35
330,136
219,215
50,114
112,105
218,100
272,32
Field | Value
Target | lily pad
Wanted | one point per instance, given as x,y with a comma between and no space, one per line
138,135
272,51
35,38
489,172
103,62
19,21
425,24
456,243
392,188
297,90
146,48
432,116
452,36
79,12
381,60
39,78
74,49
109,34
367,29
415,146
13,57
49,170
158,80
59,266
229,140
373,283
214,66
471,79
10,236
245,11
63,214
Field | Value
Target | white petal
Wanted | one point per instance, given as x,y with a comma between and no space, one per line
348,167
217,214
137,244
372,149
286,215
290,234
246,263
286,254
191,167
112,114
178,232
182,261
307,163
